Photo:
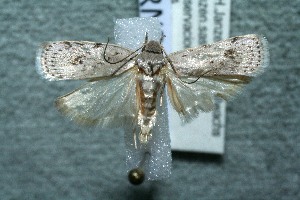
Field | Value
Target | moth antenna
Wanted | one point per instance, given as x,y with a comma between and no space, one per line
170,61
104,54
146,41
119,68
197,78
123,65
99,78
146,38
162,37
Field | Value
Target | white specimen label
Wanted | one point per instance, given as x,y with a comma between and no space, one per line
197,22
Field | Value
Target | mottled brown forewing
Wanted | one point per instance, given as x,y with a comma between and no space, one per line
63,60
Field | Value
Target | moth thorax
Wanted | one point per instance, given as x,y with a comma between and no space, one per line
153,47
150,63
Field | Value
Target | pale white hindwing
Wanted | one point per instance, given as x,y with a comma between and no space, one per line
109,102
242,55
190,99
63,60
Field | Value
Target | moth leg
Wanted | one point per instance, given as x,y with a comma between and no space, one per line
134,138
161,95
174,99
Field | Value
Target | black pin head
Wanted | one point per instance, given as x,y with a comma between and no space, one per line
136,176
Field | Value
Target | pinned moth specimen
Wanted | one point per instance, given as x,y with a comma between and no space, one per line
126,86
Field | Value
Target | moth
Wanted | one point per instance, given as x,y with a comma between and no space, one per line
125,86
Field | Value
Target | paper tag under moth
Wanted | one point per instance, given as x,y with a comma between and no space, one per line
125,86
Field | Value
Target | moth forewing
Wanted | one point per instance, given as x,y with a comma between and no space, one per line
242,55
64,60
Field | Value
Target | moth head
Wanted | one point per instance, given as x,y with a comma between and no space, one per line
153,47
